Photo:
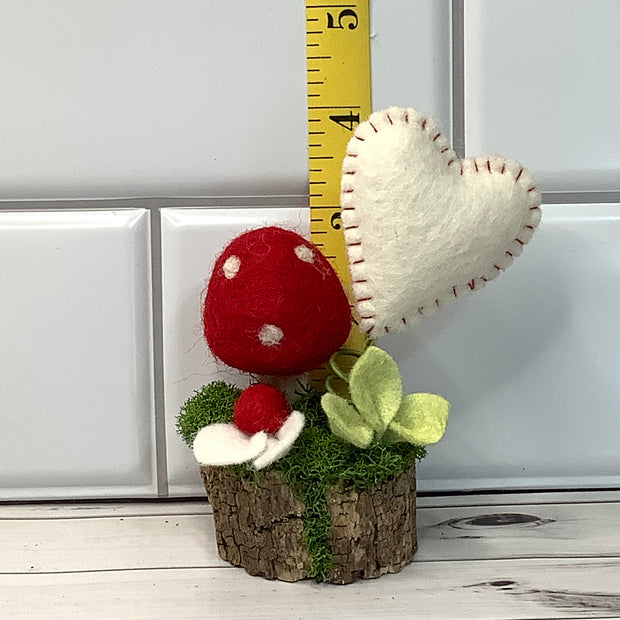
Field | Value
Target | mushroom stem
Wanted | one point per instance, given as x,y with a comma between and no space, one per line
287,385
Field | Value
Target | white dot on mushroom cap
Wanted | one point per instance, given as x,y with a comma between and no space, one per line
270,335
231,266
304,253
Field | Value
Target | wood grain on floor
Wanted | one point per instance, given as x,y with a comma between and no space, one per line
534,556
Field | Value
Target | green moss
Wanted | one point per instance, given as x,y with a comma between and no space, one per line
317,461
212,403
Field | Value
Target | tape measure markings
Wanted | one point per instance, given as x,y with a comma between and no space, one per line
338,99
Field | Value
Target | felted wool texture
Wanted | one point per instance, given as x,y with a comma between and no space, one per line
274,305
260,407
376,388
421,419
422,227
225,444
280,445
345,421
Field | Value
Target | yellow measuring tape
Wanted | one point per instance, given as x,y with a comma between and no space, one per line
339,98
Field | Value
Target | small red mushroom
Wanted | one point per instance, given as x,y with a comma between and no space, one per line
260,407
274,305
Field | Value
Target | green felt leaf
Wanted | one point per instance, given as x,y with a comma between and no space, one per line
421,420
376,388
345,422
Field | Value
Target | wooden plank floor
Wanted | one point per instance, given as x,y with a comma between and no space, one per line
489,556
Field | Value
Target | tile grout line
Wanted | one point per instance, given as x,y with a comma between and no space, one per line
457,18
153,203
161,459
581,197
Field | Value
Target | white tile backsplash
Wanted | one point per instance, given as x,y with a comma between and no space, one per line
75,362
411,57
542,85
191,239
115,98
136,102
110,98
530,363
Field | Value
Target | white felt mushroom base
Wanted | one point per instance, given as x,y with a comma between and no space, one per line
225,444
423,227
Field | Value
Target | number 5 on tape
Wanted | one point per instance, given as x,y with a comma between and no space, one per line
338,77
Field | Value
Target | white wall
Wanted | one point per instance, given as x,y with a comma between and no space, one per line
118,98
99,325
154,98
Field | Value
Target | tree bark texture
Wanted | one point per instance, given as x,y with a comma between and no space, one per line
259,526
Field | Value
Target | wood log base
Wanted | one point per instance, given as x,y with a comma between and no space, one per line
260,527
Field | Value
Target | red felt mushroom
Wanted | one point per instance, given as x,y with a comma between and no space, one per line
274,305
260,407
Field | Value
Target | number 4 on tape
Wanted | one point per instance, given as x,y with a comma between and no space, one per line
338,70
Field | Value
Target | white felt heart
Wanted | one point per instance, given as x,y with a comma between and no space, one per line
422,227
